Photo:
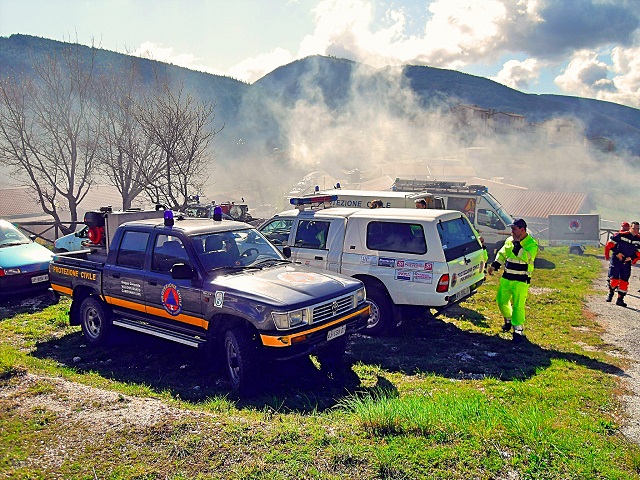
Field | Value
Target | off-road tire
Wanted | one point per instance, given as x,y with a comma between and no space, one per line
332,355
240,359
95,320
381,319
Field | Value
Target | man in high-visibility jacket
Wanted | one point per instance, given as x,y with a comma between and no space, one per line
517,255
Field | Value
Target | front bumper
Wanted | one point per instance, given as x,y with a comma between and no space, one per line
280,346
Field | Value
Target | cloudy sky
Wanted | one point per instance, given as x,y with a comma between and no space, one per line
588,48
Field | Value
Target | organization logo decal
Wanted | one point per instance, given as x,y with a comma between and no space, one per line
575,225
171,299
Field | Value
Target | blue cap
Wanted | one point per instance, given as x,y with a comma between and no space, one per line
518,222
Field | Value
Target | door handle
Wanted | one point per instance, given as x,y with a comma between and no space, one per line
318,258
153,282
116,275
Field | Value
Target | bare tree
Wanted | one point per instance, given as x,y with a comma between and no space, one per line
49,129
132,159
181,128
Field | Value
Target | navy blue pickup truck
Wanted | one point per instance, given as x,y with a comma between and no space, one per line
215,284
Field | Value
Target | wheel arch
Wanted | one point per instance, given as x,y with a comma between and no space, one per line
80,293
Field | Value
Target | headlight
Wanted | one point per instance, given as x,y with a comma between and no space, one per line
360,296
9,271
288,320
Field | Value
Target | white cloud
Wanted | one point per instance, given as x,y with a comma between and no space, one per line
519,75
588,76
157,52
255,68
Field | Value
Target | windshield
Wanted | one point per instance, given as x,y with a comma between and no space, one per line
498,208
244,247
10,235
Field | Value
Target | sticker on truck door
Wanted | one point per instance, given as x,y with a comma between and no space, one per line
171,299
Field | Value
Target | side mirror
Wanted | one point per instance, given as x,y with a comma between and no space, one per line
180,271
286,251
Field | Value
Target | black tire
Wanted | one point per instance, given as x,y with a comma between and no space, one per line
240,358
331,356
381,319
95,320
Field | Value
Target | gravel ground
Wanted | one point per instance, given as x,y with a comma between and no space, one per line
623,330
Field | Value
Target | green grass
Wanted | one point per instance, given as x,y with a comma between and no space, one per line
445,397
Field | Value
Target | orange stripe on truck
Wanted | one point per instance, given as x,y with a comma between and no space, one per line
287,340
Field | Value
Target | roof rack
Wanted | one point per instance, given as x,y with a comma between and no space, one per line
404,185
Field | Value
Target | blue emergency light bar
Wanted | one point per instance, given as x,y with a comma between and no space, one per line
168,218
312,200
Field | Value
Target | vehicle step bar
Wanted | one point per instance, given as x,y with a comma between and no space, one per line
165,333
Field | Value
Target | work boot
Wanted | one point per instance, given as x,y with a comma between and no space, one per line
506,326
620,301
610,296
518,334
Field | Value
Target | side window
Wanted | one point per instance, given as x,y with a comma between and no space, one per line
277,231
132,249
396,237
466,205
167,251
312,234
488,218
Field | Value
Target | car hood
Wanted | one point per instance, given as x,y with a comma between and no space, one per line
287,285
28,256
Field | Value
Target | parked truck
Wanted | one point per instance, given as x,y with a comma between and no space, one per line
486,214
577,231
429,258
210,284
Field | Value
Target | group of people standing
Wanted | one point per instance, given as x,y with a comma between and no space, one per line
622,250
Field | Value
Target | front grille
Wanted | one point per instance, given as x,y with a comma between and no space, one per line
333,308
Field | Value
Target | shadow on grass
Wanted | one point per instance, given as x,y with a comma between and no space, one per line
421,344
11,305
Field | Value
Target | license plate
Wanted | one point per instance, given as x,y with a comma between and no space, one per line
336,332
39,278
462,293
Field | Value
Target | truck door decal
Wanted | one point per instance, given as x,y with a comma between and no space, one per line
219,299
171,299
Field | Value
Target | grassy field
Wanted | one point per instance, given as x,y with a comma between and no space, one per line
445,397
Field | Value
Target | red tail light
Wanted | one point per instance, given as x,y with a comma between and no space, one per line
96,235
443,284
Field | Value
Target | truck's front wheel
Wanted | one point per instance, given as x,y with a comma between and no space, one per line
240,357
95,321
381,318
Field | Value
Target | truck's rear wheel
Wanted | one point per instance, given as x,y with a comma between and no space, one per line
381,318
240,358
95,321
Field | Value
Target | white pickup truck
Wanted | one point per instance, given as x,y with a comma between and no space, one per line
429,258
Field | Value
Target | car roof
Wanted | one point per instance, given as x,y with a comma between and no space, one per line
193,226
415,214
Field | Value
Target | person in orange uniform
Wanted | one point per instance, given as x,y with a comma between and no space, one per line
622,251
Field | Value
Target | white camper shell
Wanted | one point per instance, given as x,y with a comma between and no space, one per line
428,258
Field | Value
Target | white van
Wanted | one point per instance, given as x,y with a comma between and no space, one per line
430,258
483,210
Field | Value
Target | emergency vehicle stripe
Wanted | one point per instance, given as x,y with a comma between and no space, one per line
61,289
191,320
119,302
286,340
